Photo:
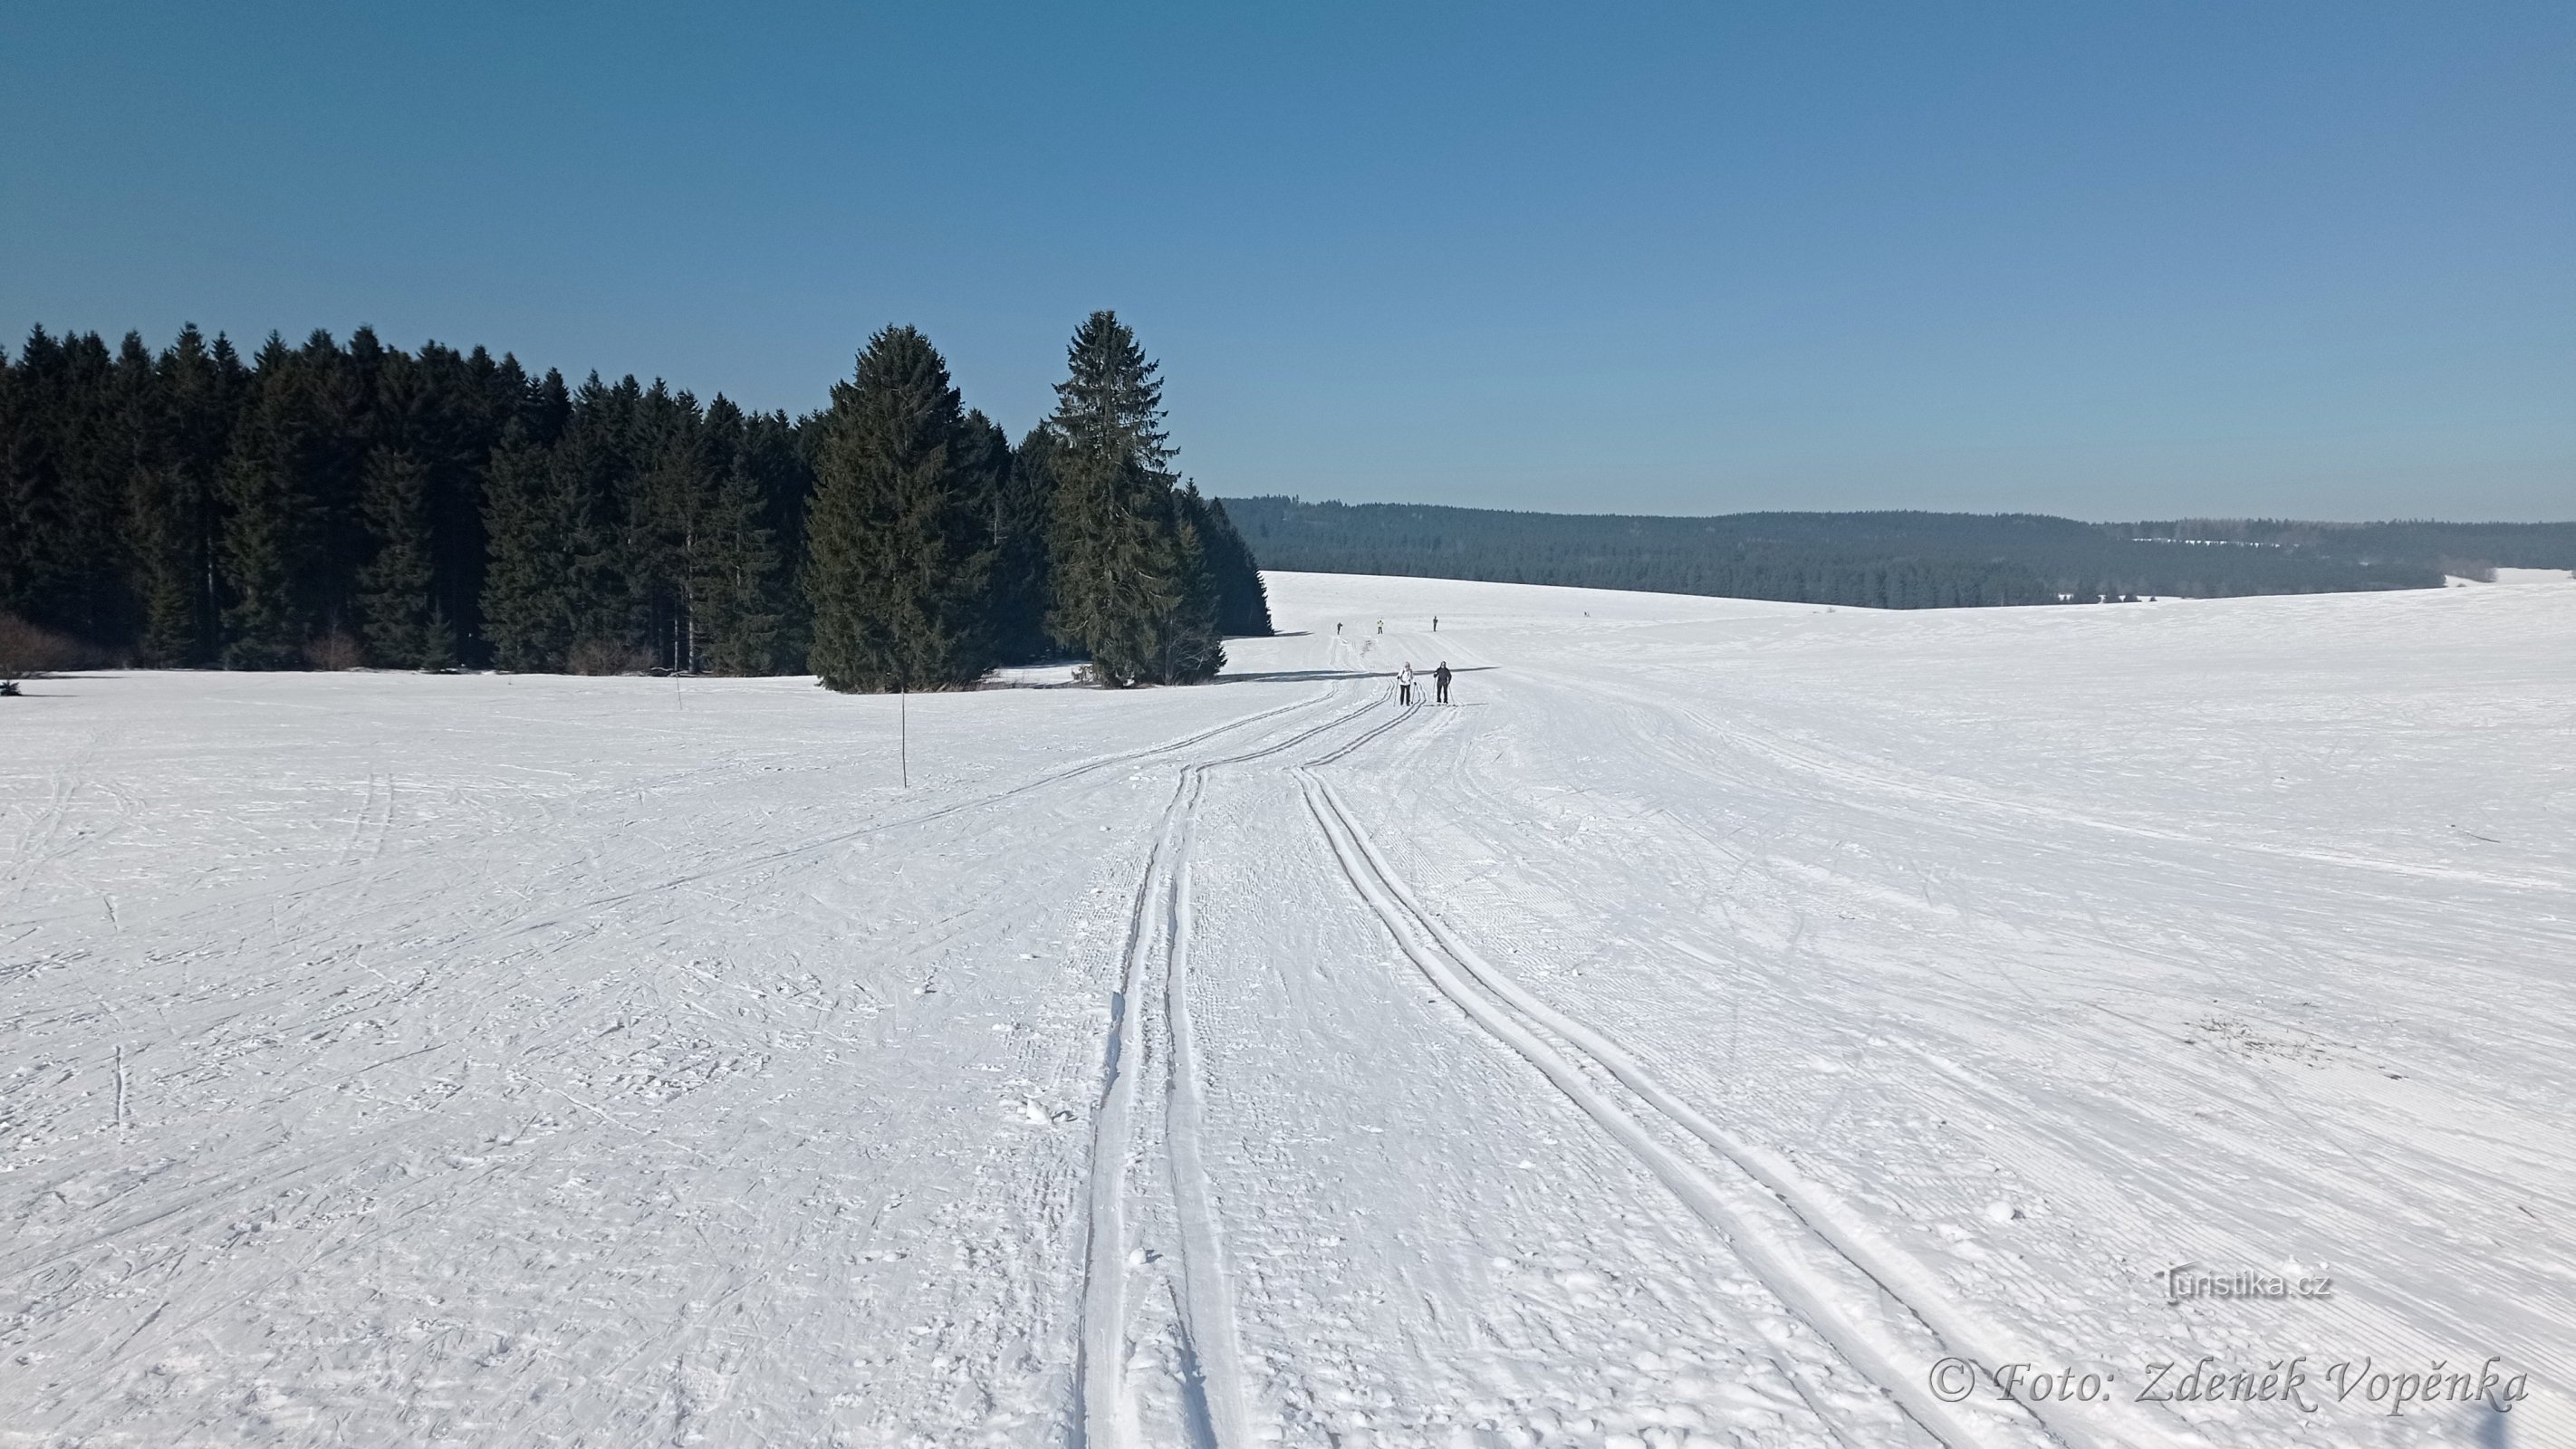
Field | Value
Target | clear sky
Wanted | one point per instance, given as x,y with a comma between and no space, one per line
2108,260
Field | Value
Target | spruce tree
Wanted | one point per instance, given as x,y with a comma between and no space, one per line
1129,571
1024,505
528,584
900,557
199,389
1193,646
395,604
265,521
733,580
1242,602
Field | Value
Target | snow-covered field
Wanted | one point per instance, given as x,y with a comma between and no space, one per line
1721,1017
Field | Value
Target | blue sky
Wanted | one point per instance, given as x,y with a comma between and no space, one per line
2112,261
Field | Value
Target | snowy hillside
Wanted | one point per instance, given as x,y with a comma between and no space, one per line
1721,1022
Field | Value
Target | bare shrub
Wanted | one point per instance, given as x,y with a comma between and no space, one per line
27,650
335,650
606,656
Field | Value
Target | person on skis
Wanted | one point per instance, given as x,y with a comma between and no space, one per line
1440,680
1404,683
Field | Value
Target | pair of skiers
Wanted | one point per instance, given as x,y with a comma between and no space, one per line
1404,682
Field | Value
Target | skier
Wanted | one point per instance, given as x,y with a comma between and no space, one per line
1337,628
1435,623
1404,683
1440,679
1381,626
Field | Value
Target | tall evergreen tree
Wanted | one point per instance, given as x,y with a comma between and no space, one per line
1193,645
197,391
900,554
266,519
535,525
1022,570
1127,579
734,573
396,602
68,466
1242,602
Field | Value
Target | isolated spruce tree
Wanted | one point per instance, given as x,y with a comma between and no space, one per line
900,556
1130,586
396,610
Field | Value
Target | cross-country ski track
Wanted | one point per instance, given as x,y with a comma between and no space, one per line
1721,1018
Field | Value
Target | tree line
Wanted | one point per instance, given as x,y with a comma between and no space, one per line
1886,560
334,504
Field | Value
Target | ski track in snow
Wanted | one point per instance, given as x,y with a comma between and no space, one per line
1723,1013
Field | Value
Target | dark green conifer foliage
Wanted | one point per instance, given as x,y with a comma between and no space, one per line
733,581
591,489
528,586
1242,603
901,552
265,520
161,535
1024,509
1193,646
183,508
396,607
1128,569
184,432
774,460
63,502
157,526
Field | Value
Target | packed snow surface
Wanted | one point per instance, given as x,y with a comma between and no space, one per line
1725,1023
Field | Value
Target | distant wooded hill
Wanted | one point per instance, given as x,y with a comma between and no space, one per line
1888,560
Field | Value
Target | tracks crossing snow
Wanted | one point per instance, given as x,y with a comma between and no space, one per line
1207,1399
1823,1267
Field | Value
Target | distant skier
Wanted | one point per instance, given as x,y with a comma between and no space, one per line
1337,628
1381,626
1440,680
1435,623
1404,683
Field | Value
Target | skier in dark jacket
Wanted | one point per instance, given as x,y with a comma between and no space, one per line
1440,679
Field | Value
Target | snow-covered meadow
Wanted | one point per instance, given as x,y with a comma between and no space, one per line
1724,1023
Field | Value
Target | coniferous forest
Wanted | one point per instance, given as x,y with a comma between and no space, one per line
1894,560
337,504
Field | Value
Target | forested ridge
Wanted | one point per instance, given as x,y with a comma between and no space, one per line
342,503
1889,560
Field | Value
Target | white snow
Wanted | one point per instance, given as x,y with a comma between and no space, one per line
1721,1016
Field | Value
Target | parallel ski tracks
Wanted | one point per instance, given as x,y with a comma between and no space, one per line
1212,1397
1797,1242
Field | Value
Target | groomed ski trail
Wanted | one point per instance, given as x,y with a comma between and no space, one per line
1521,1021
1212,1396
